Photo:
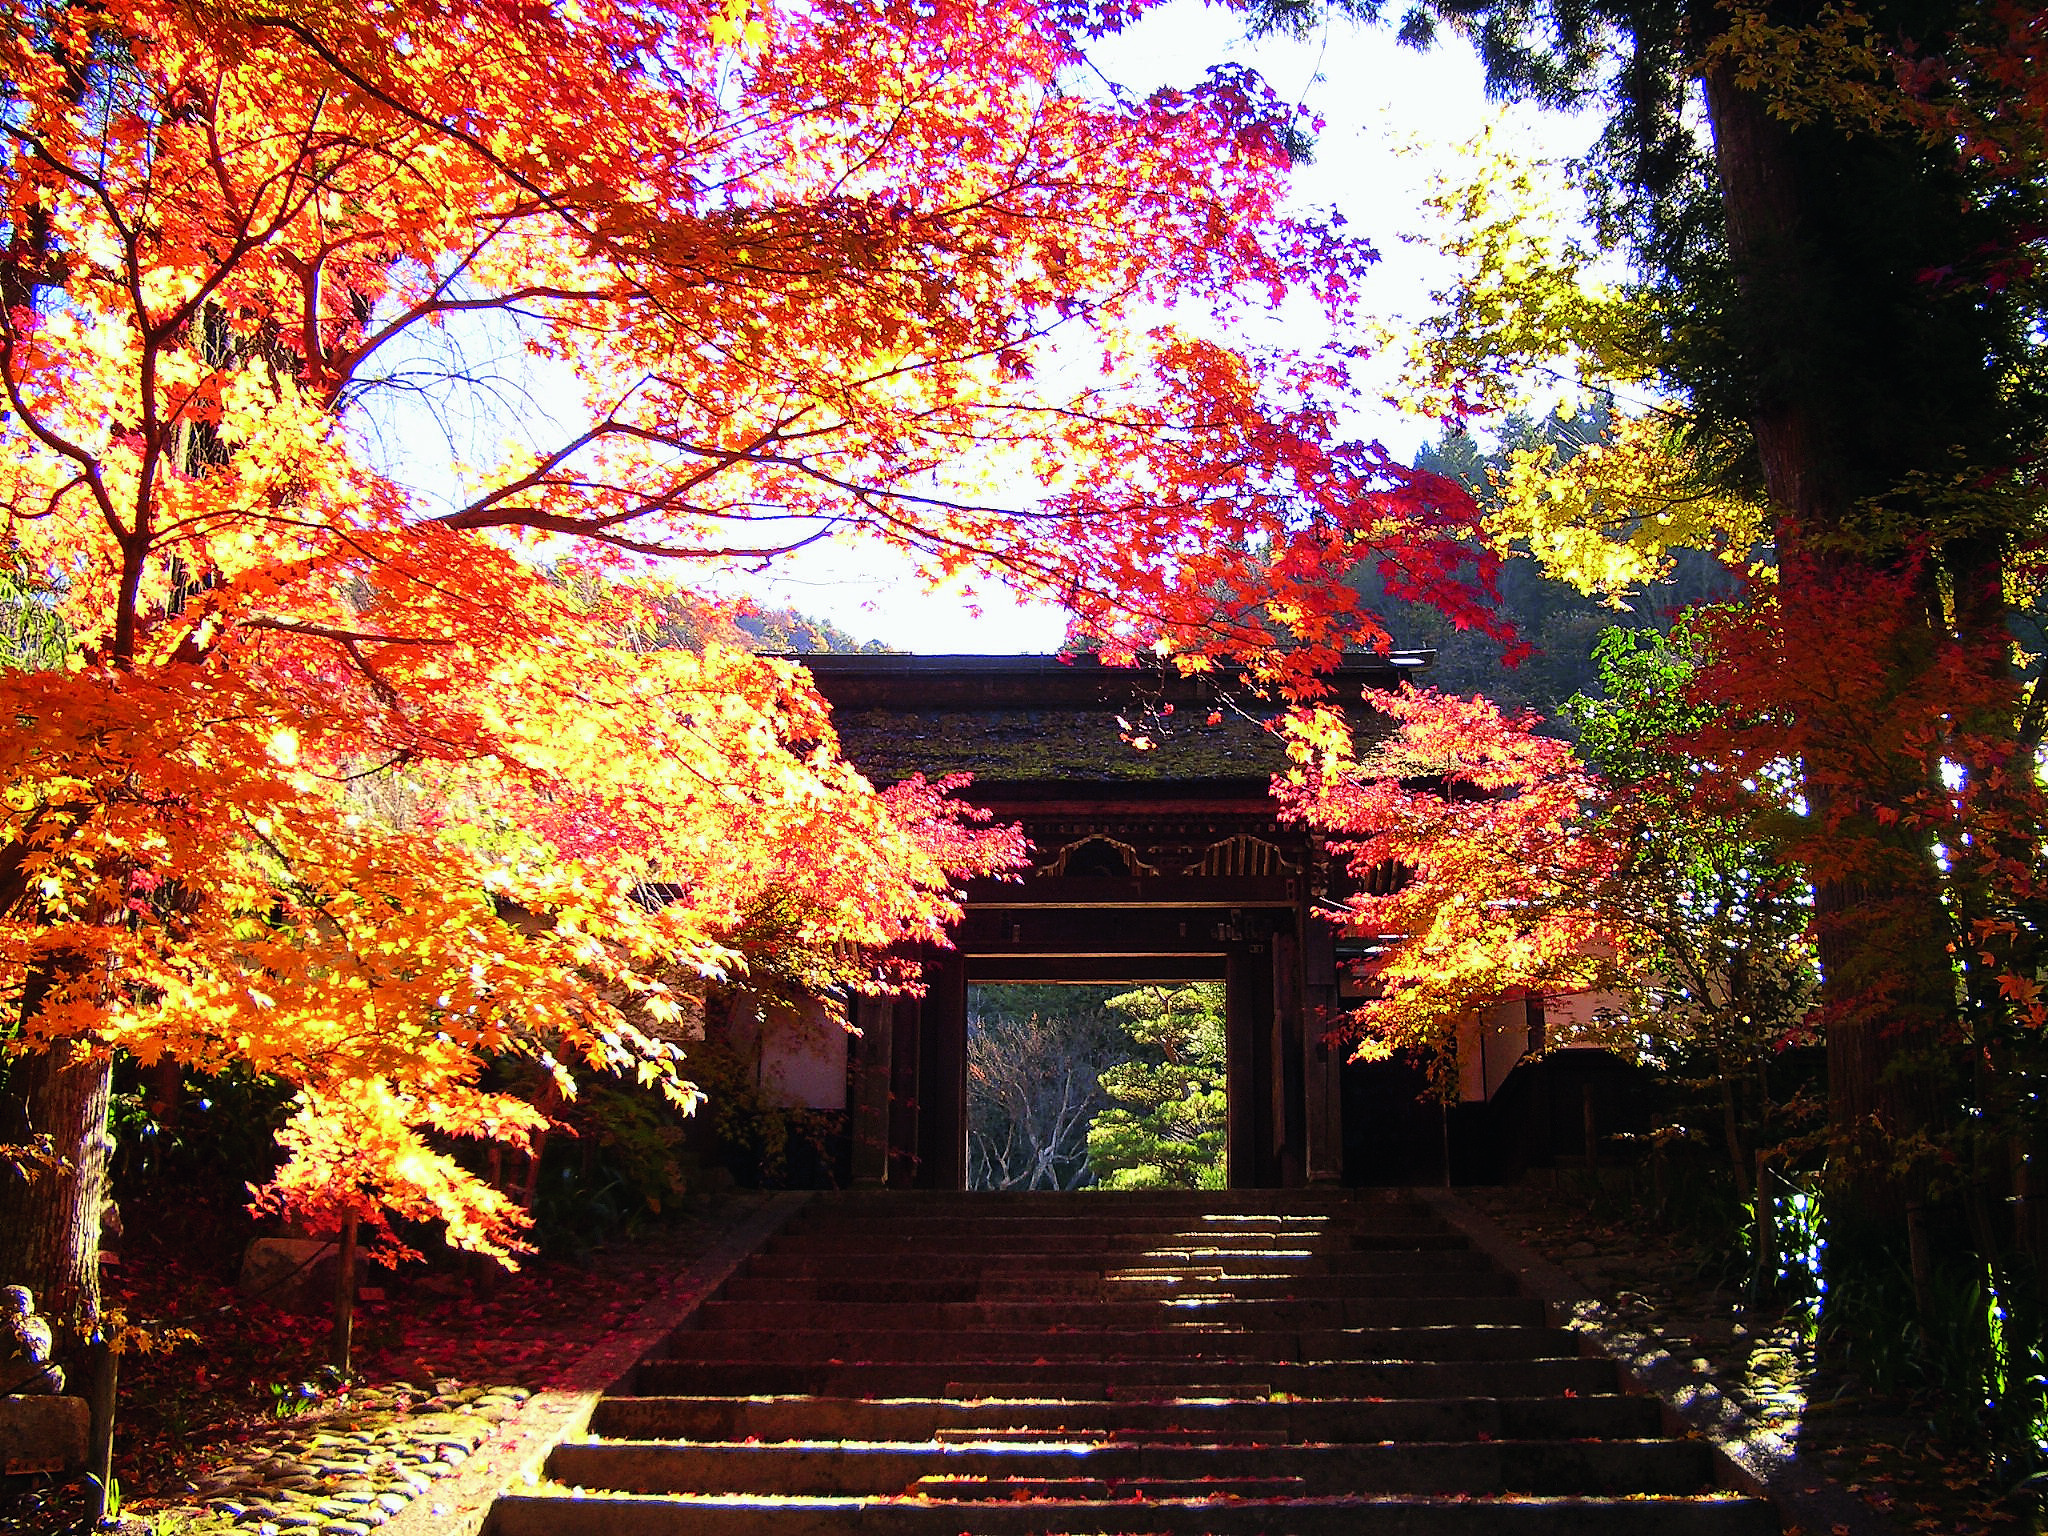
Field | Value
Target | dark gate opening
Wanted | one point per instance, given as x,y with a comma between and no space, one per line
1092,1086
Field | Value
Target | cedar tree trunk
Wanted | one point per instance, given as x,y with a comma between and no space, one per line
1886,976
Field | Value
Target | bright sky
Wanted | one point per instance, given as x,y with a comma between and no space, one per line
1376,99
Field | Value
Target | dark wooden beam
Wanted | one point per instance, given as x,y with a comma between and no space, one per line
1124,931
1094,969
1208,892
942,1075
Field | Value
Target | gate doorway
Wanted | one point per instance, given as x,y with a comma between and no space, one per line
1095,1086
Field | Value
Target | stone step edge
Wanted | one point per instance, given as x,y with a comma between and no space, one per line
552,1510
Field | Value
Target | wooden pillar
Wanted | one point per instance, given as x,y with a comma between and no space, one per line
1290,1110
1241,1164
869,1111
905,1091
1253,1075
1322,1066
942,1104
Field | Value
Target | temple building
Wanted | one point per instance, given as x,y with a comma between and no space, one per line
1157,856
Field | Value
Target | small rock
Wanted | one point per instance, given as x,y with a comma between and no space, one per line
392,1503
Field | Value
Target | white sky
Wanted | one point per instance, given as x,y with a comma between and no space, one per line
1375,98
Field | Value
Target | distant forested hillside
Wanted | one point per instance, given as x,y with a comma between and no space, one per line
785,630
650,611
1560,622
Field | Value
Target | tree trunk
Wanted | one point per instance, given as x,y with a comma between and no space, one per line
342,1342
50,1222
1882,937
1731,1131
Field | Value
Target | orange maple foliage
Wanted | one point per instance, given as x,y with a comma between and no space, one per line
336,782
1503,868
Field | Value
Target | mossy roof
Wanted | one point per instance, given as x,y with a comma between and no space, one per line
1008,746
1051,720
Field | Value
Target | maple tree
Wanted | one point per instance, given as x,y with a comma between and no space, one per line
1528,865
335,780
1503,871
1718,908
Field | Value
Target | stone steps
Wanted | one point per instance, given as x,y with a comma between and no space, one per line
936,1266
1261,1361
877,1468
554,1514
948,1241
1087,1285
1446,1341
859,1418
1148,1379
1212,1308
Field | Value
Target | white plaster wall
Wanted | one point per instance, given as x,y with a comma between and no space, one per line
801,1055
1490,1042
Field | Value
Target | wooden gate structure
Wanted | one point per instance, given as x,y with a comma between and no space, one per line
1158,856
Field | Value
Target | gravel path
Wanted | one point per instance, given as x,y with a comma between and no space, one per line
356,1470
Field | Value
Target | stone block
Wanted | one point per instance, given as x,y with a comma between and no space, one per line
42,1434
293,1273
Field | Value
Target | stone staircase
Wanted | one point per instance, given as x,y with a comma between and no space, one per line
1257,1361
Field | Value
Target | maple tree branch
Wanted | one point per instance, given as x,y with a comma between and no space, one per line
351,642
342,636
600,532
420,117
87,461
345,370
396,760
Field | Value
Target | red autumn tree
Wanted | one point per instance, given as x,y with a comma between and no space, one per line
334,781
1504,869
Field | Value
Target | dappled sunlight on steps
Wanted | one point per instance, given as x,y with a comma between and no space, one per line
1271,1361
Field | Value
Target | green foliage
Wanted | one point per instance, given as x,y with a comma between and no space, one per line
1035,1059
638,1132
32,636
1169,1126
1073,1086
1730,975
1559,621
759,1139
212,1134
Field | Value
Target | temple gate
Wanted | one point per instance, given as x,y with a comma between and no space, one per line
1157,857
